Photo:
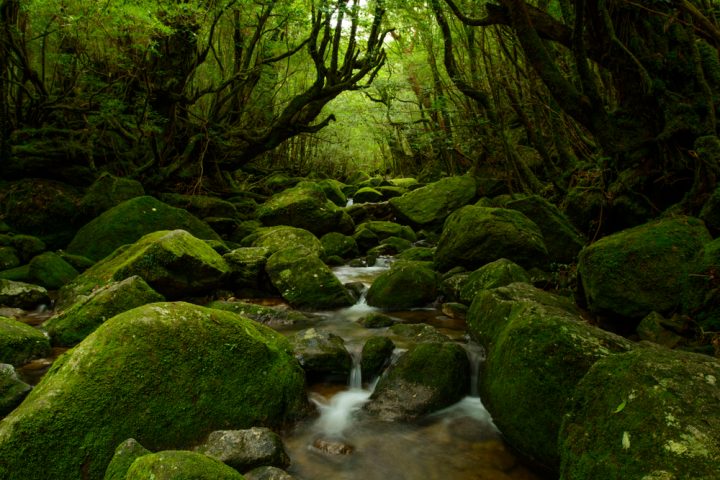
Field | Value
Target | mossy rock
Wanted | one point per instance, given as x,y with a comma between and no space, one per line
27,246
395,245
20,343
333,191
492,275
247,270
451,285
584,206
657,417
474,236
391,192
174,263
305,281
245,207
12,390
108,191
279,238
643,269
22,295
405,182
426,378
322,355
710,213
9,258
304,206
703,301
562,239
431,204
125,454
417,254
128,222
279,181
367,195
166,374
406,334
180,465
337,244
51,271
201,206
376,320
246,449
376,355
384,229
78,262
69,327
405,285
268,473
365,212
43,208
655,328
536,355
276,318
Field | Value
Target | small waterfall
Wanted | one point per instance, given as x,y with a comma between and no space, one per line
476,354
349,202
355,381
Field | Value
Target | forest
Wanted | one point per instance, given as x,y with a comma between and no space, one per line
364,238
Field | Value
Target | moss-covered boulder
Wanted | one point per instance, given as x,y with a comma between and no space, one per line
376,355
12,390
391,246
20,342
268,473
279,238
278,318
334,191
710,213
562,239
247,270
426,378
538,349
246,449
51,271
492,275
26,246
384,229
337,244
9,258
407,334
367,195
431,204
125,454
322,355
174,263
651,413
78,262
305,281
108,191
376,320
70,326
703,301
180,465
405,285
45,208
304,206
128,222
22,295
202,206
474,236
643,269
166,374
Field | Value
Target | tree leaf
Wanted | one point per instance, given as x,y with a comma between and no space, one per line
620,407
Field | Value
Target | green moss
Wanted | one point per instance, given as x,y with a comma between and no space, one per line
22,295
247,269
419,254
125,454
367,195
376,354
108,191
17,274
51,271
12,389
492,275
277,318
166,374
431,204
337,244
128,222
322,355
27,246
20,343
202,206
376,320
474,236
8,258
405,285
180,465
333,191
278,238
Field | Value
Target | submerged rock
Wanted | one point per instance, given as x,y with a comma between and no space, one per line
166,373
20,343
128,222
428,377
474,236
180,465
648,413
246,449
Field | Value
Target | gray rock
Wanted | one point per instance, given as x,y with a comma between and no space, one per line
268,473
22,295
246,449
322,354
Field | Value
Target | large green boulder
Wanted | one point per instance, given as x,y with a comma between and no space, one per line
125,454
108,191
51,271
22,295
643,269
180,465
26,246
473,236
12,390
20,342
405,285
651,413
367,195
247,270
8,258
70,326
426,378
166,374
305,281
128,222
201,206
174,263
322,355
562,239
537,352
431,204
492,275
333,191
304,206
337,244
278,238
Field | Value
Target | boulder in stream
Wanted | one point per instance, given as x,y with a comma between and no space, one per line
431,204
405,285
376,355
337,244
246,449
20,343
180,465
322,355
165,373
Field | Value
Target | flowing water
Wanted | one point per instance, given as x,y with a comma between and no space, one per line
458,443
